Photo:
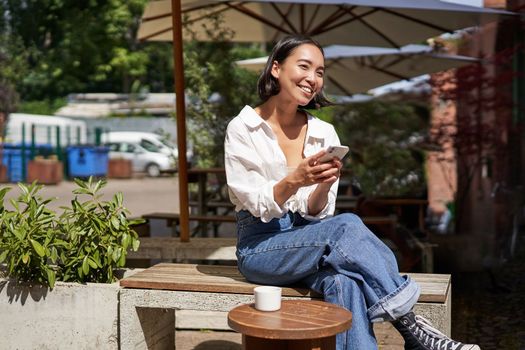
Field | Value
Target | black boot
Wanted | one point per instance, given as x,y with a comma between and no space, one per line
420,335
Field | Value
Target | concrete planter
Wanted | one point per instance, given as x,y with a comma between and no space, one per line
45,171
119,169
71,316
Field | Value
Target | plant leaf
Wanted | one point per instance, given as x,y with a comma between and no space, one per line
136,244
3,256
115,222
25,258
38,247
85,265
51,277
92,263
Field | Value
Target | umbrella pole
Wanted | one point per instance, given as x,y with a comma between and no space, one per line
178,75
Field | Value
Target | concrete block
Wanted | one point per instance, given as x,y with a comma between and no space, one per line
71,316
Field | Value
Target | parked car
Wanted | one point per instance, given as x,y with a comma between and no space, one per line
144,157
147,140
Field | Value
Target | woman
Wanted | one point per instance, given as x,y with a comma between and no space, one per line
285,198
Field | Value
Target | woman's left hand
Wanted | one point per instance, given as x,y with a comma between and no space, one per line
331,175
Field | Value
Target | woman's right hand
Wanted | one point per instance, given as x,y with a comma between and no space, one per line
310,171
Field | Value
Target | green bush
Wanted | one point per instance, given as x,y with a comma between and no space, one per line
86,243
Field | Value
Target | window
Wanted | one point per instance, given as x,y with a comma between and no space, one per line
149,146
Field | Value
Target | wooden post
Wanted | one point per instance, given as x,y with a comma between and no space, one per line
178,75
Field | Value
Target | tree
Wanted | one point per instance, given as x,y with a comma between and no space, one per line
217,89
12,69
76,46
383,137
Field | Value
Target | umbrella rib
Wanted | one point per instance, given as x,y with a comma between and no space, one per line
162,31
425,23
400,58
311,21
152,35
392,74
256,16
284,16
339,86
322,27
365,23
196,8
346,11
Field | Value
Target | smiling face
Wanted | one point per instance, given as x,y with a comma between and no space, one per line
301,74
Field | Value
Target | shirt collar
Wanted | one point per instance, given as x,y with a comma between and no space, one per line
315,129
250,117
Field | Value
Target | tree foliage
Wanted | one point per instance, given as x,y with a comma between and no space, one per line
383,137
75,45
217,89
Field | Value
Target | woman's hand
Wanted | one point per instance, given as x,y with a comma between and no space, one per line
310,171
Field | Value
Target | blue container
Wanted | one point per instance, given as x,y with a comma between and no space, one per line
12,159
85,161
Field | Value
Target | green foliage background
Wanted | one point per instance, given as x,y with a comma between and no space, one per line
384,139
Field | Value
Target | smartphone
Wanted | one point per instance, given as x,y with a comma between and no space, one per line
334,151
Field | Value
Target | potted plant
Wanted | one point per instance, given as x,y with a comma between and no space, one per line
43,252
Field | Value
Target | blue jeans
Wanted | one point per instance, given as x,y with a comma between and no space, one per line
337,257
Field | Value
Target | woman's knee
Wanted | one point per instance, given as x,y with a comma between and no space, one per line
352,223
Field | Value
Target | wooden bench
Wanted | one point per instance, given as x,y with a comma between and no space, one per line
156,301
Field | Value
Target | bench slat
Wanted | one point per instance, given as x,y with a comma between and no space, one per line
228,279
198,278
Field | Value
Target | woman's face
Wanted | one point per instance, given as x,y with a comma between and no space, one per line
301,74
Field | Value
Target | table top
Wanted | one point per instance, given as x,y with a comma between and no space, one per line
297,319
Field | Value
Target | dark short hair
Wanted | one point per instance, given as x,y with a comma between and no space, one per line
268,86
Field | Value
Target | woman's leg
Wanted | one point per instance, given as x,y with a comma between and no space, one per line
280,253
344,291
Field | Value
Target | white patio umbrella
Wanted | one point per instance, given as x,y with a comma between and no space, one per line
383,23
357,69
358,22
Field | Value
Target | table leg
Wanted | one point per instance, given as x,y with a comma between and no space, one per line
254,343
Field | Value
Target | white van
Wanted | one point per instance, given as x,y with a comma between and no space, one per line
148,152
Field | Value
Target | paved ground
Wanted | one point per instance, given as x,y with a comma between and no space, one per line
487,307
141,195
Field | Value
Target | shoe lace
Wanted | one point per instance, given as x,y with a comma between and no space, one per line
424,330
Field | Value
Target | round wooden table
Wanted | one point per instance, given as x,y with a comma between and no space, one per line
299,324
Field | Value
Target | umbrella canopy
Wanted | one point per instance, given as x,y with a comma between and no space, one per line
354,69
384,23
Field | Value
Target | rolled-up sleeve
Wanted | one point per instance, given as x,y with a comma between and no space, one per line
249,188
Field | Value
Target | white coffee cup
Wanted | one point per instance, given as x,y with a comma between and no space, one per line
267,298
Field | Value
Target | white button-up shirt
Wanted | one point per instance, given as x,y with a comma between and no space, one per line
255,163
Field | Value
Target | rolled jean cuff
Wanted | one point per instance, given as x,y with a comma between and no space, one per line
395,304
